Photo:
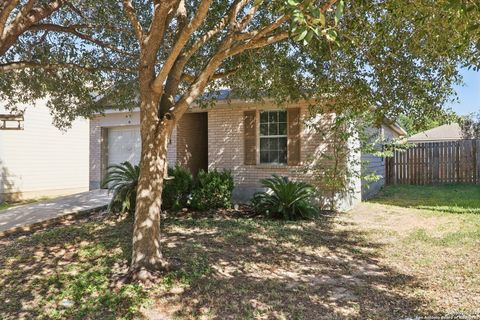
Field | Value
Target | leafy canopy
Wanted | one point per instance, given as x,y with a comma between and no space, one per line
398,56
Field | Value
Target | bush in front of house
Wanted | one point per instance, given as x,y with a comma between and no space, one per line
213,189
122,180
285,199
210,190
177,188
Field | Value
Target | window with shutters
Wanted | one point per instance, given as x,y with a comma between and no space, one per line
273,137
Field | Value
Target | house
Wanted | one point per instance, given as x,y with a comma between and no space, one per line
377,165
39,160
446,132
252,140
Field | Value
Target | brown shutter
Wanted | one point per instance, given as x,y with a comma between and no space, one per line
250,137
293,116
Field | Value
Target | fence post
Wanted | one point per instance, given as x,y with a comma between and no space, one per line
436,163
475,158
390,169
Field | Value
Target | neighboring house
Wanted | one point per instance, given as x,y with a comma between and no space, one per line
252,140
446,132
41,160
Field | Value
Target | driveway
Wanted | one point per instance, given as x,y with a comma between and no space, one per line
28,214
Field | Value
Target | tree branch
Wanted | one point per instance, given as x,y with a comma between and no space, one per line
327,6
27,17
258,43
163,12
7,8
232,16
180,43
209,34
73,30
132,16
20,65
216,76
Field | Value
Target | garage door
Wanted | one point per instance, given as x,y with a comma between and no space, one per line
124,145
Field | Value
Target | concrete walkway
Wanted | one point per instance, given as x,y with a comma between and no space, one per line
29,214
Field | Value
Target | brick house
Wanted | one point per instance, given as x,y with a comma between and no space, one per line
251,140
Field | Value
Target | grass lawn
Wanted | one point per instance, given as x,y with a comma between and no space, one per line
379,261
445,198
6,205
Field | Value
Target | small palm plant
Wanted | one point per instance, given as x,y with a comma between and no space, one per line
285,199
122,180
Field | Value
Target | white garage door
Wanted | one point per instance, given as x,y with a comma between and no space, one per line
124,145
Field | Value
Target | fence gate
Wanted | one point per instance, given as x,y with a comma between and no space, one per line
436,163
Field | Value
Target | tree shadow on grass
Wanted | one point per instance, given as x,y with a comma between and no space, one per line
66,272
231,268
272,269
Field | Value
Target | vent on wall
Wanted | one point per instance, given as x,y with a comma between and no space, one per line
11,122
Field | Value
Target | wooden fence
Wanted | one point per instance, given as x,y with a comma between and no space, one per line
436,163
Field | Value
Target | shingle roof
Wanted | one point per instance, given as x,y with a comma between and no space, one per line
446,132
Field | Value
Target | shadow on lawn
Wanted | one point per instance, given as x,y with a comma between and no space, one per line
451,198
269,269
73,264
232,268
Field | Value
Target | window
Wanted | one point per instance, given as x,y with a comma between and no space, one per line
273,137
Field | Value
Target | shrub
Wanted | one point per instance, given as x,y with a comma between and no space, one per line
177,190
285,199
212,189
122,180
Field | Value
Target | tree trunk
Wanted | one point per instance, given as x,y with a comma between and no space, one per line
146,252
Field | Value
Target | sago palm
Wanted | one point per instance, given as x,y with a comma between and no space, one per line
285,199
122,180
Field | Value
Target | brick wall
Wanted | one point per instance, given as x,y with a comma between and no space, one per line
226,148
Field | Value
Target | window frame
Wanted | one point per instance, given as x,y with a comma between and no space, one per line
260,136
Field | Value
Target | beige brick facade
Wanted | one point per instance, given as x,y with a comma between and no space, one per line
226,145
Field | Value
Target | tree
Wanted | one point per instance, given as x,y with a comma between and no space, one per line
232,28
414,124
390,57
64,50
470,125
17,18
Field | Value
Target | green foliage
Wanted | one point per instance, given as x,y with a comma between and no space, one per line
413,124
122,180
98,250
285,199
177,190
399,57
212,189
454,198
194,269
470,126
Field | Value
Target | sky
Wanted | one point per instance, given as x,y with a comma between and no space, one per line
469,94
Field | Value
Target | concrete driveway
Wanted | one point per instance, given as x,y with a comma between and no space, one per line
28,214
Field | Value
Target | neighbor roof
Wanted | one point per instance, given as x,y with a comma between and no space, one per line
446,132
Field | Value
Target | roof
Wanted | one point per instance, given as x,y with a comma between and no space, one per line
446,132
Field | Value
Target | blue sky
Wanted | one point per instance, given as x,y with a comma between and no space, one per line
469,94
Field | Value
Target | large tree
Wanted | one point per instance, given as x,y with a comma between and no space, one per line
396,56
